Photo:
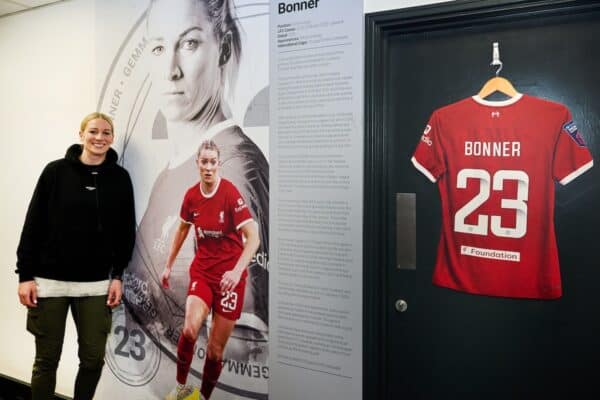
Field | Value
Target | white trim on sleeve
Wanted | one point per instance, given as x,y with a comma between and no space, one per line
423,170
237,228
184,221
576,173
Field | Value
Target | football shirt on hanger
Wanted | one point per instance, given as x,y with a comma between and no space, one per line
495,163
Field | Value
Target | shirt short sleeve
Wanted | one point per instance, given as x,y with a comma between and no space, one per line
428,157
239,209
185,213
571,155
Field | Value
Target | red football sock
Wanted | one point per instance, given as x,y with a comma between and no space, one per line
185,354
210,376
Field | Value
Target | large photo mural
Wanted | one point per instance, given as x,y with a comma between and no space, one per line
173,74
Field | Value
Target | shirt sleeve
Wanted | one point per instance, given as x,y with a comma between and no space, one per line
240,212
34,227
428,157
185,213
571,155
126,232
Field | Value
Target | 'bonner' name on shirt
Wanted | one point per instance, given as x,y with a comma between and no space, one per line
492,149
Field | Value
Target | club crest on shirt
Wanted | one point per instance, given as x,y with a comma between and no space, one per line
571,129
222,217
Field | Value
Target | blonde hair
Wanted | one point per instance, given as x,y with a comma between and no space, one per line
96,115
208,145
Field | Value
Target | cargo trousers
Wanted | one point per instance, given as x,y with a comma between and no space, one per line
47,321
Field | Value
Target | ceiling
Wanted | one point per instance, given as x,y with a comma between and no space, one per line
13,6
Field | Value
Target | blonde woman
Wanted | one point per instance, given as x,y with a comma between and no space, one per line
76,241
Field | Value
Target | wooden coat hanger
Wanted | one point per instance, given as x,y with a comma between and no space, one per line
497,83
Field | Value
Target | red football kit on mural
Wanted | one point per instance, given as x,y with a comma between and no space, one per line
217,218
495,164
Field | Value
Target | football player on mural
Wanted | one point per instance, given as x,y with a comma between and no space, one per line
194,48
226,239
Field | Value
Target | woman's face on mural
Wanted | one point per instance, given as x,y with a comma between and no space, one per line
184,57
208,165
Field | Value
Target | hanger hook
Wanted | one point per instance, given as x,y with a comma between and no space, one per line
496,57
499,68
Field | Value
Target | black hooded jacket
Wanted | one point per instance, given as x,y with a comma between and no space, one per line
80,225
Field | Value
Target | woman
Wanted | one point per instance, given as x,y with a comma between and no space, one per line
221,221
194,48
77,238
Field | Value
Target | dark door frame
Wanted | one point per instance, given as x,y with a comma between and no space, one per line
380,27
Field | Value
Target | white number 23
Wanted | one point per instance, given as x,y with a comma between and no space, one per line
519,204
229,302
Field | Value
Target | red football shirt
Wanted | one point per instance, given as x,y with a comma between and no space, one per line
217,218
495,164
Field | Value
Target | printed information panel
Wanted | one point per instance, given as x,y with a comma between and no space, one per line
316,150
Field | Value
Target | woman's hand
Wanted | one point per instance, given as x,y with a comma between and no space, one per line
230,280
164,278
180,235
28,293
115,292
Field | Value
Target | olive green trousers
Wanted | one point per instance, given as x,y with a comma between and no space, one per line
47,321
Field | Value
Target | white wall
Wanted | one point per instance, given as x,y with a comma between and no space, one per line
47,78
